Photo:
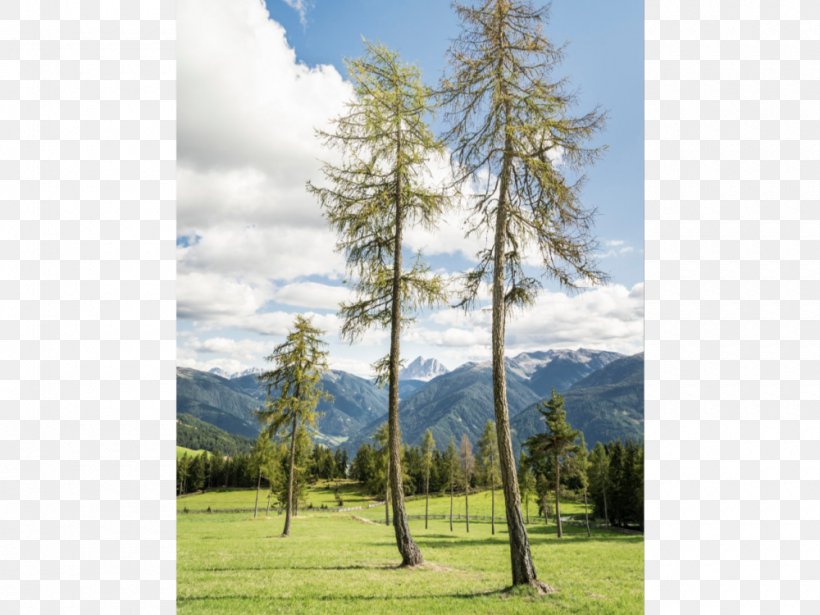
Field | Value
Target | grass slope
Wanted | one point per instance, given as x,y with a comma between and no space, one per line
321,493
181,450
342,563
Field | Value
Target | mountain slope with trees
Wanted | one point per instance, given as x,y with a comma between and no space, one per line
606,405
231,404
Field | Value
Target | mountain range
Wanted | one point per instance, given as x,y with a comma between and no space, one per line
231,403
603,396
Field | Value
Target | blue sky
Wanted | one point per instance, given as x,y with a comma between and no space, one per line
253,249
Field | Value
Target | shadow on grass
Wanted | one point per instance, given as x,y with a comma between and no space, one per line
536,535
500,593
296,567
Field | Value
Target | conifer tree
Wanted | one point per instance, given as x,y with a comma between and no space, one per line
488,461
510,129
599,478
427,448
299,363
380,187
558,441
527,483
451,462
467,469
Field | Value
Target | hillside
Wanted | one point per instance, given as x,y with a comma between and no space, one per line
606,405
560,369
230,404
193,433
212,399
457,402
603,390
461,401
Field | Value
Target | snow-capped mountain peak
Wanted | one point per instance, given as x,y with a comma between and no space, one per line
527,363
422,369
218,371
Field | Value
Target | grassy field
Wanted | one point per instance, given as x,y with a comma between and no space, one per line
480,505
181,450
321,493
345,563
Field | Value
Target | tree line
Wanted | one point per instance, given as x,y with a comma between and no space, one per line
608,479
216,470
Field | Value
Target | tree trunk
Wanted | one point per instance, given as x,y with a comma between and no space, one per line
410,554
258,486
467,505
526,506
586,513
492,496
267,510
451,503
606,514
557,501
523,569
426,497
387,502
291,472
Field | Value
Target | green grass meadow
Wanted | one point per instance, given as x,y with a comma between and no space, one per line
346,562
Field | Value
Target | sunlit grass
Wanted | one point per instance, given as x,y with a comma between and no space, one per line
341,563
318,494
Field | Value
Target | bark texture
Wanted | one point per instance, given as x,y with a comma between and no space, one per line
523,569
258,485
492,490
426,497
557,500
467,506
291,472
410,553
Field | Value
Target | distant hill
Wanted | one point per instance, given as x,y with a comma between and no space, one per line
606,405
198,435
603,392
230,404
457,402
560,369
213,399
408,388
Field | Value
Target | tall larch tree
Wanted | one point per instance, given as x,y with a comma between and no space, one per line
467,470
527,483
451,462
577,473
381,186
598,478
381,438
263,451
510,131
557,442
293,392
428,445
488,462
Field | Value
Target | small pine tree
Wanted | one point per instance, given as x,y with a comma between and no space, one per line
558,441
488,463
467,470
451,465
427,448
299,363
526,482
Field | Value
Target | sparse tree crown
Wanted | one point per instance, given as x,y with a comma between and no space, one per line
511,130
